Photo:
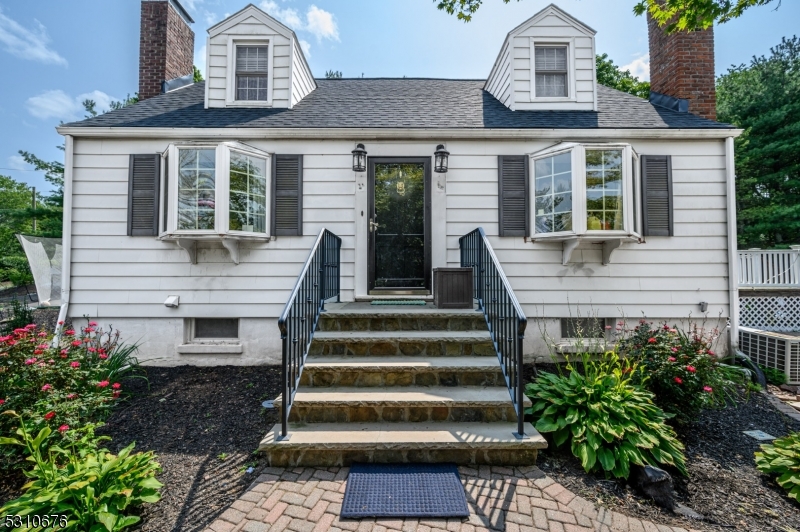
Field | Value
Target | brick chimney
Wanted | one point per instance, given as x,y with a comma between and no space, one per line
166,45
682,68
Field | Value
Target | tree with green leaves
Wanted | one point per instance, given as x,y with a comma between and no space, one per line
611,75
333,74
673,15
761,98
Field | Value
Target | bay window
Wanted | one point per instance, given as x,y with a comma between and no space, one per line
585,191
215,190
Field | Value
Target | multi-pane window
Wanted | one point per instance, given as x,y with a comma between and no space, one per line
248,193
196,189
585,190
604,204
553,193
550,64
252,73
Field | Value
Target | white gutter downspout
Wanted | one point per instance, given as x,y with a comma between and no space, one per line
733,253
66,238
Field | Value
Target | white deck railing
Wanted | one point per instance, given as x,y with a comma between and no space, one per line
769,268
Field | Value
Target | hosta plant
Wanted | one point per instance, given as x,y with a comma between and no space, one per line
608,421
93,488
782,458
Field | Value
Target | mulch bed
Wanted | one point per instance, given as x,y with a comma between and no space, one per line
723,484
203,424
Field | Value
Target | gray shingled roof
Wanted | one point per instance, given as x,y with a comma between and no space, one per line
395,103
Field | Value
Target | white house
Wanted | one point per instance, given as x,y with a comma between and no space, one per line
189,215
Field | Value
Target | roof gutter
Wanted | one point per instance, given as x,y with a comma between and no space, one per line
66,238
733,254
393,133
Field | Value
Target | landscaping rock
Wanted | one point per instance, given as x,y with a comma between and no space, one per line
655,483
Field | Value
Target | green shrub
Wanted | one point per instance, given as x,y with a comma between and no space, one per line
70,384
609,422
774,376
782,458
681,369
93,488
15,268
20,315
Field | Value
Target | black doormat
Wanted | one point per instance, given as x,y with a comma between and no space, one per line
404,490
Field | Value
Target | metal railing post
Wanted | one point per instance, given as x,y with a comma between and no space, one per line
286,394
322,275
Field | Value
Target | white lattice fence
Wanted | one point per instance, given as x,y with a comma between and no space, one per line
781,314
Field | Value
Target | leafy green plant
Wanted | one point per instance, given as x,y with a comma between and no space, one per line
609,422
92,487
774,376
782,458
20,316
681,369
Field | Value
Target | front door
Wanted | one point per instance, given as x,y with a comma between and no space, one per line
399,226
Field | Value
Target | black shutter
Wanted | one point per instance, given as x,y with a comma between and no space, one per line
513,195
143,188
287,195
657,195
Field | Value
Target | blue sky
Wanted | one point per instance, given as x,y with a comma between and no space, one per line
55,53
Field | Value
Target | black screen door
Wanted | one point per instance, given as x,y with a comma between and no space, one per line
399,225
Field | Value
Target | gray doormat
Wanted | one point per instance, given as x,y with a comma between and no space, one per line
416,302
404,490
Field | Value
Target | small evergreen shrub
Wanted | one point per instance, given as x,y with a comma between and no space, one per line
774,376
80,486
782,459
681,369
608,421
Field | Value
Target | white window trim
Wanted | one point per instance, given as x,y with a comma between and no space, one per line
187,239
569,42
230,89
631,205
207,346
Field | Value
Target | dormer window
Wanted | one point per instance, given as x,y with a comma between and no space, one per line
551,64
252,73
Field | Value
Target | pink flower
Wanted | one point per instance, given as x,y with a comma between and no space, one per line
92,324
102,356
117,394
674,349
76,343
69,332
87,340
690,369
30,326
91,349
46,387
72,395
42,346
672,359
652,340
75,364
708,389
12,342
51,361
30,361
2,402
61,322
642,321
712,353
608,327
63,351
41,364
102,384
116,386
63,428
678,380
42,334
37,351
50,415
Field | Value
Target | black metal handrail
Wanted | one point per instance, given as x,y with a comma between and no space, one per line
503,313
318,281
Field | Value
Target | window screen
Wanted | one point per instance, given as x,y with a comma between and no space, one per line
551,71
216,328
583,327
252,65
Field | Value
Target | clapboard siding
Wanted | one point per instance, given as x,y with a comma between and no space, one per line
302,78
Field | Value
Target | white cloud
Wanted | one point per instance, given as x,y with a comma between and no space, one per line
200,59
211,18
191,4
16,162
58,104
27,43
306,46
322,24
639,67
288,16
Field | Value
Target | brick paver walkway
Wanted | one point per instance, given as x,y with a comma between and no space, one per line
500,498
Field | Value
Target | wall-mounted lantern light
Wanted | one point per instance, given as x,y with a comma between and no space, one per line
359,158
440,157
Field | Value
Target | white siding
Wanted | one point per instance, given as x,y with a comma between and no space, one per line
125,280
499,82
302,79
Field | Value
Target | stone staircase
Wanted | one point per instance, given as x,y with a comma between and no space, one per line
401,384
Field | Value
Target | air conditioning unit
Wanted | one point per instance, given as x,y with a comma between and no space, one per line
775,350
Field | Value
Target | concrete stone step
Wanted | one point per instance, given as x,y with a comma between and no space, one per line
329,445
366,371
397,319
405,343
412,404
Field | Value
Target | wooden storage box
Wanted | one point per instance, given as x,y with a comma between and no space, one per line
452,287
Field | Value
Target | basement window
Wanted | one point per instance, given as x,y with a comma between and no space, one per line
585,328
216,328
210,336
